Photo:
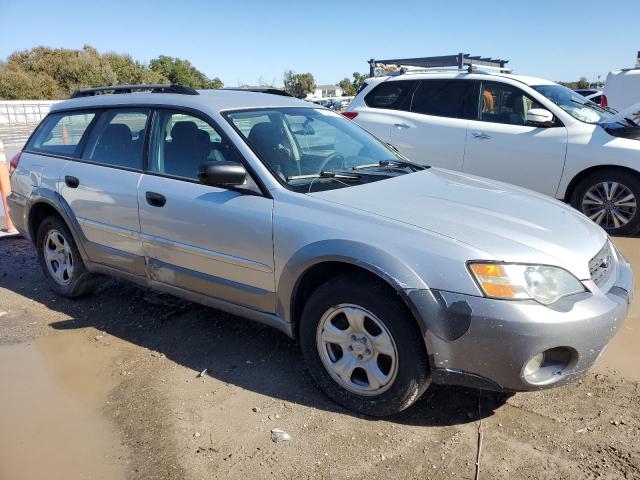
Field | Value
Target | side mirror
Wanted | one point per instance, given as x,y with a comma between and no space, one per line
539,117
222,174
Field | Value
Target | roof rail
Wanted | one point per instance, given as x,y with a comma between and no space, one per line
118,89
271,90
460,61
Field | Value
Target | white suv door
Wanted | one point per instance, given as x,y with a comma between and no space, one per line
503,146
433,130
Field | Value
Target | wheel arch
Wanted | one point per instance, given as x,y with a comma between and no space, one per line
43,203
575,181
314,265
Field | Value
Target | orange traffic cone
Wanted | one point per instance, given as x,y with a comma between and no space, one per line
65,135
5,188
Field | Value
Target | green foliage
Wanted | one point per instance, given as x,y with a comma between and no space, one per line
351,87
582,83
181,71
347,87
298,84
17,84
52,73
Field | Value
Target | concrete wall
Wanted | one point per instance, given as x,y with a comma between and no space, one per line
16,112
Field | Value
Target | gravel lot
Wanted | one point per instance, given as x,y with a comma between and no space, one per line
112,386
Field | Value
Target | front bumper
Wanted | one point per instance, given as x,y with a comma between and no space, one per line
486,343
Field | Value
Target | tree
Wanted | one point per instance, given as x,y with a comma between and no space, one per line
299,84
347,87
358,80
17,84
50,73
583,83
351,87
182,72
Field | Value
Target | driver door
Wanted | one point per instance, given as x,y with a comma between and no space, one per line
209,240
500,144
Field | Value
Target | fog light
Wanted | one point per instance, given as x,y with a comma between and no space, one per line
549,366
533,365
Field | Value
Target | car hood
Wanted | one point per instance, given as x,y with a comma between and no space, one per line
511,224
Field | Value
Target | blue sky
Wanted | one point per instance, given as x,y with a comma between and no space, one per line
244,41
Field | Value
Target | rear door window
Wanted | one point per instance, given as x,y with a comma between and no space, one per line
182,142
61,133
118,138
392,95
445,98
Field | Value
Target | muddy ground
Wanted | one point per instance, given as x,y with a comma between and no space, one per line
108,387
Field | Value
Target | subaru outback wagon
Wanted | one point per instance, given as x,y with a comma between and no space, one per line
391,275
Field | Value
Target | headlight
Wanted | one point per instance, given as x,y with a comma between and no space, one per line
542,283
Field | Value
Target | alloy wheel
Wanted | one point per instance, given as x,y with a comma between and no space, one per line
611,205
357,350
58,257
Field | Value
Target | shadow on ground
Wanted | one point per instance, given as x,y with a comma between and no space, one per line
232,349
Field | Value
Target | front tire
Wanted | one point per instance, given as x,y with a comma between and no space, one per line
60,259
363,347
610,197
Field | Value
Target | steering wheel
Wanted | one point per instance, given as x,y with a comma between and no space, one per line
334,156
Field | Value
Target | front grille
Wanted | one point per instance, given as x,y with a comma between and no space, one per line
601,265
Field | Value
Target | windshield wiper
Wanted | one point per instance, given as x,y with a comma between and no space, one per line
387,163
324,174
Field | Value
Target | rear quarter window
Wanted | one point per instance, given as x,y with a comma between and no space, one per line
61,133
391,94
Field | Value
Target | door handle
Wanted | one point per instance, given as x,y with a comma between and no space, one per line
155,199
480,135
401,125
72,182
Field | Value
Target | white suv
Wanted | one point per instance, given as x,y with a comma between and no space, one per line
522,130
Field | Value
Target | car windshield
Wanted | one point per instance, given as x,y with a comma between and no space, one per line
315,148
575,104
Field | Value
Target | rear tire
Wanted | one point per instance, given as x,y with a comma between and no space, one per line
610,197
363,347
61,261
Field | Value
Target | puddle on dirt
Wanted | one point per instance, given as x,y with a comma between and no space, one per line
51,422
623,353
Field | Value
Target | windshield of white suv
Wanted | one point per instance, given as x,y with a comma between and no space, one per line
308,148
575,104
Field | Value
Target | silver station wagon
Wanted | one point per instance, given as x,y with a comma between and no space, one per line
390,274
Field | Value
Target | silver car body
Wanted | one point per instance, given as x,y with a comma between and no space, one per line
248,254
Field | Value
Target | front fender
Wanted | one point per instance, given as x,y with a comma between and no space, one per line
389,268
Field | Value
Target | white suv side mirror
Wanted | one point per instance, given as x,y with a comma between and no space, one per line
539,117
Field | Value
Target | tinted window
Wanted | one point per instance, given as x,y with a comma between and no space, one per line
389,94
60,133
445,98
502,103
181,142
118,138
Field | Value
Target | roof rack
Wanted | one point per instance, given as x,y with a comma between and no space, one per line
118,89
271,90
460,61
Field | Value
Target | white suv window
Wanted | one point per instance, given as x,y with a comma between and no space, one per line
445,98
503,103
390,94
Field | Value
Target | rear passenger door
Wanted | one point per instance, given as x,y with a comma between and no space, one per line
208,240
101,187
386,104
433,131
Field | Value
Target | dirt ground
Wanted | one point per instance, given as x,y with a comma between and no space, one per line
109,387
